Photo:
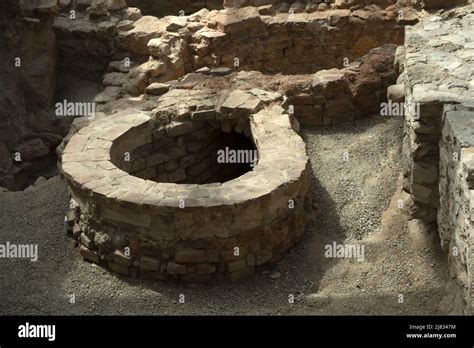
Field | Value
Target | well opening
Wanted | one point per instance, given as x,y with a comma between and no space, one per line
198,152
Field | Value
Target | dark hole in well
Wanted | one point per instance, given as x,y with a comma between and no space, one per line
204,155
244,154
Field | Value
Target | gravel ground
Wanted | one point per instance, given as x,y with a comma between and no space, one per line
354,194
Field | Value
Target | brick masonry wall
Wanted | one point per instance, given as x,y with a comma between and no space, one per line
438,134
455,219
292,44
189,232
340,95
173,7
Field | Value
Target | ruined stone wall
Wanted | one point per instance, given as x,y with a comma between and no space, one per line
438,73
340,95
298,43
162,8
86,42
28,133
456,187
428,89
297,6
293,6
165,49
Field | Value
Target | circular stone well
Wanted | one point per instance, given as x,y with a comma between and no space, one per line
153,200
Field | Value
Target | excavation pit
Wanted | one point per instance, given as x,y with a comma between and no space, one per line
154,198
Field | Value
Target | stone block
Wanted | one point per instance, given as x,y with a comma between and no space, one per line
89,254
149,263
196,278
175,268
157,88
103,242
226,126
239,102
119,268
189,255
266,10
121,258
396,93
176,129
148,173
203,115
126,216
263,256
302,98
304,111
194,147
86,241
421,193
439,4
171,166
187,161
237,265
114,79
240,275
156,159
340,110
250,260
212,255
177,176
32,149
424,173
198,169
76,231
177,152
205,268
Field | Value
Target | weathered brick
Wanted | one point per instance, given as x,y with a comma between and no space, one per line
175,268
119,268
89,254
212,255
176,176
240,275
196,278
236,265
205,268
188,255
121,258
263,256
149,263
176,129
203,115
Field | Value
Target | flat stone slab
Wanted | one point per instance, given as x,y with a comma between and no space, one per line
439,59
